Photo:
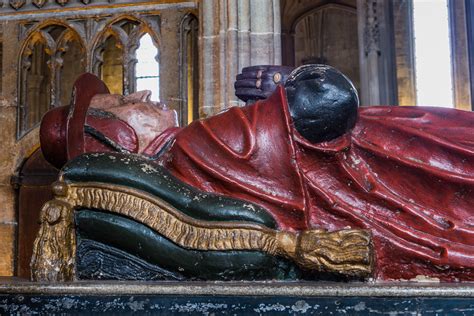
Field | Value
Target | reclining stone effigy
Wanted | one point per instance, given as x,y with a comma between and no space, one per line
300,185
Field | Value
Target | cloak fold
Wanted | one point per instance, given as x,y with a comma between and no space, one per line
405,173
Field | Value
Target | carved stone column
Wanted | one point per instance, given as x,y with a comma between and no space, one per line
234,34
376,52
405,51
460,55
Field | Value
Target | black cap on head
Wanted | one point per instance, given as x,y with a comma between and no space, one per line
322,102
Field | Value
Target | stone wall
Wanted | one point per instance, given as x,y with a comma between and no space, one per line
13,152
292,13
328,35
233,35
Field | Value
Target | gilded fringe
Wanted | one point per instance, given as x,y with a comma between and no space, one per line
347,252
170,223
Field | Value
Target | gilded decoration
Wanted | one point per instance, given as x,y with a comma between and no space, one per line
347,252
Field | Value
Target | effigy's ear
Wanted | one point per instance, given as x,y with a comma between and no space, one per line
322,102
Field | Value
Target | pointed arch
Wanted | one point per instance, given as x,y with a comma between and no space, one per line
189,73
128,29
41,81
146,67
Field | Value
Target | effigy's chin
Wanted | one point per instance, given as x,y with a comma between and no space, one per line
301,185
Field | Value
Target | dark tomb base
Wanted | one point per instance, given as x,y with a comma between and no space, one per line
235,298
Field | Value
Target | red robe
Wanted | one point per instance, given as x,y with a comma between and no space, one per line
405,173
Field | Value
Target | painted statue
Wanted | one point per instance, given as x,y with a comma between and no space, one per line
100,122
302,184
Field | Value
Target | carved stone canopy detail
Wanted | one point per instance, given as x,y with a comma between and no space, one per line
17,4
62,2
39,3
86,1
371,28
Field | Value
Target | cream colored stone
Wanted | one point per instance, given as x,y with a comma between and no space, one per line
7,204
261,19
233,35
262,49
7,237
169,59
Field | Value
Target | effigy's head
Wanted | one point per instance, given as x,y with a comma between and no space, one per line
322,102
147,118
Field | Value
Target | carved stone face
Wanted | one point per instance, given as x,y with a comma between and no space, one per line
322,102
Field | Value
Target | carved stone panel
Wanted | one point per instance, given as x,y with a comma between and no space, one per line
39,3
17,4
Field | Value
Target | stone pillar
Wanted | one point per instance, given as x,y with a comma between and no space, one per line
234,34
169,58
460,55
405,51
376,52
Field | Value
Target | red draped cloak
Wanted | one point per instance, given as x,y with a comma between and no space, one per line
405,173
